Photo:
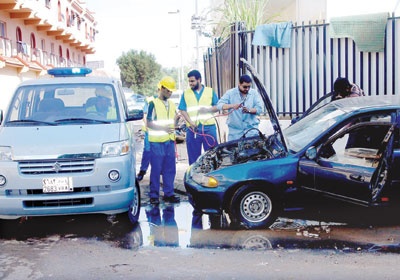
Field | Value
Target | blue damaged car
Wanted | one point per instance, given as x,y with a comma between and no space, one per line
66,147
347,150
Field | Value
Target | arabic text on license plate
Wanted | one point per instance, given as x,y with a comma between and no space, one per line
57,184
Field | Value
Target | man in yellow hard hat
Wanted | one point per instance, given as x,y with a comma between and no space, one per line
161,118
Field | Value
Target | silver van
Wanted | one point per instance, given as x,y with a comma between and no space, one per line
66,147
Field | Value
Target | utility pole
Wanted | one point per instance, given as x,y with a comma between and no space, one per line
180,74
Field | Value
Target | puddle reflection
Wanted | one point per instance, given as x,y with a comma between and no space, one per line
174,225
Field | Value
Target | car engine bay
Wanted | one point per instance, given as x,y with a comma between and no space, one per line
239,151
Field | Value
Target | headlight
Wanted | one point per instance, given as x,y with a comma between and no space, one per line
206,181
5,153
115,149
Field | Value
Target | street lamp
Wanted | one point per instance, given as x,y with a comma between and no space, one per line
180,78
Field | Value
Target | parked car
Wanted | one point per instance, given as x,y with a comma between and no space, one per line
176,97
136,101
347,150
66,148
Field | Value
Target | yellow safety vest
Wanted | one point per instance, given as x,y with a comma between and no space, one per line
163,117
111,113
193,106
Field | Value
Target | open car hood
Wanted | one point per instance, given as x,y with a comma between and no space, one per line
244,149
268,104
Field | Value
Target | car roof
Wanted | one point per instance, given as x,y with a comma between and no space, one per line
366,103
69,80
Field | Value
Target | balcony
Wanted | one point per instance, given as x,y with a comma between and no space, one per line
34,14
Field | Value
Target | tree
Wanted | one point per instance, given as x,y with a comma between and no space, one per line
139,71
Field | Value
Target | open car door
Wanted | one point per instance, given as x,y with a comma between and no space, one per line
353,164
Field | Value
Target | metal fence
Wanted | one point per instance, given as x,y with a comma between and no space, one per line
296,77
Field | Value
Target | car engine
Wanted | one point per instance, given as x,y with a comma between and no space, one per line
238,151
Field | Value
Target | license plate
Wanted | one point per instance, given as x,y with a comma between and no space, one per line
57,184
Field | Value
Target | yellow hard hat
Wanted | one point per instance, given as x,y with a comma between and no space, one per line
169,83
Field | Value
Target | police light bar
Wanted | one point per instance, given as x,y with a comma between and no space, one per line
69,71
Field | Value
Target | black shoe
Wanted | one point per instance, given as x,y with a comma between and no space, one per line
154,201
172,199
140,175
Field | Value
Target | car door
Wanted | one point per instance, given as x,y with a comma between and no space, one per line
349,161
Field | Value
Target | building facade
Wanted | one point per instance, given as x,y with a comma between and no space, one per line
36,35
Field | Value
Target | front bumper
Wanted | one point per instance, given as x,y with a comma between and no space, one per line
92,193
111,202
206,200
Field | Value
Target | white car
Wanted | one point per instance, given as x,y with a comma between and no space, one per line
176,97
66,148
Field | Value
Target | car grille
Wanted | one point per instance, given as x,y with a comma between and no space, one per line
56,166
25,192
58,202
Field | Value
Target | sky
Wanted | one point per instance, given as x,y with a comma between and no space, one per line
358,7
150,25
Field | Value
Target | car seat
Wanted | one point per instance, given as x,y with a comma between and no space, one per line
51,105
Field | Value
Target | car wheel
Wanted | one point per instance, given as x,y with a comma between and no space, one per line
134,209
252,208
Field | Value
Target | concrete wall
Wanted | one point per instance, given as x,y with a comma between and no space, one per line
9,80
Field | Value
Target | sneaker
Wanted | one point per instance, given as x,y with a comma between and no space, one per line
172,199
140,175
154,201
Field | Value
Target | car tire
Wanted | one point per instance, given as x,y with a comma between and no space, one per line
253,208
134,208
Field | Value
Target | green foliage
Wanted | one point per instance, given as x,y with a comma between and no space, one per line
139,71
251,12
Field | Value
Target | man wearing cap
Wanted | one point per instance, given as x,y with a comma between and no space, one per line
161,118
196,106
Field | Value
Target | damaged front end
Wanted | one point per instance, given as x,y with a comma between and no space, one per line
239,151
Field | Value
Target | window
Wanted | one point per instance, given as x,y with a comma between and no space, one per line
359,142
3,29
21,46
33,41
60,15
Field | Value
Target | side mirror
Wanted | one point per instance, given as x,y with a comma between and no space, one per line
311,153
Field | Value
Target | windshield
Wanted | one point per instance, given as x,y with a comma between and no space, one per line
63,104
302,133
